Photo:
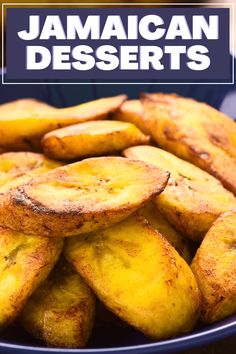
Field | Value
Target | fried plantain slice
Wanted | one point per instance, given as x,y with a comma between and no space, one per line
81,197
18,167
193,199
91,139
139,276
195,132
132,111
61,311
150,212
23,123
25,261
24,104
214,266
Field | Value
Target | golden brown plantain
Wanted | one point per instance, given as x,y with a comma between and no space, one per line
150,212
61,311
81,197
23,124
91,139
25,261
194,131
24,104
132,111
139,276
18,167
193,199
214,266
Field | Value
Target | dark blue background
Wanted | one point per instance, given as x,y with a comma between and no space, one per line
219,70
67,95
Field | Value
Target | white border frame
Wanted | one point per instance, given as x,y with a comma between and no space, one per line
229,5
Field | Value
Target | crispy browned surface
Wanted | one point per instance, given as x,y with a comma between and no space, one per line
214,266
192,199
194,131
150,212
61,311
81,197
139,276
18,167
94,138
25,261
132,111
24,122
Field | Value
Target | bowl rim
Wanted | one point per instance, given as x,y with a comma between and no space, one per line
204,336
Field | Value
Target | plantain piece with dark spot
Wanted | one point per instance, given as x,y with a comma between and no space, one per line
19,167
139,276
24,122
81,197
195,132
214,266
192,199
25,261
61,311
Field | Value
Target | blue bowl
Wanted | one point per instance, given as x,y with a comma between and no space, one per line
118,340
104,339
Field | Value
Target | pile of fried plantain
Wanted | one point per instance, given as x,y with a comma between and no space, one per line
97,226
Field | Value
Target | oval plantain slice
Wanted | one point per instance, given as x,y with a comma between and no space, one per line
195,132
214,266
193,199
150,212
22,125
18,167
139,276
81,197
91,139
25,261
132,111
61,311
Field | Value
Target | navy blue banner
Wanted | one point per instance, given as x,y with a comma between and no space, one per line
118,44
